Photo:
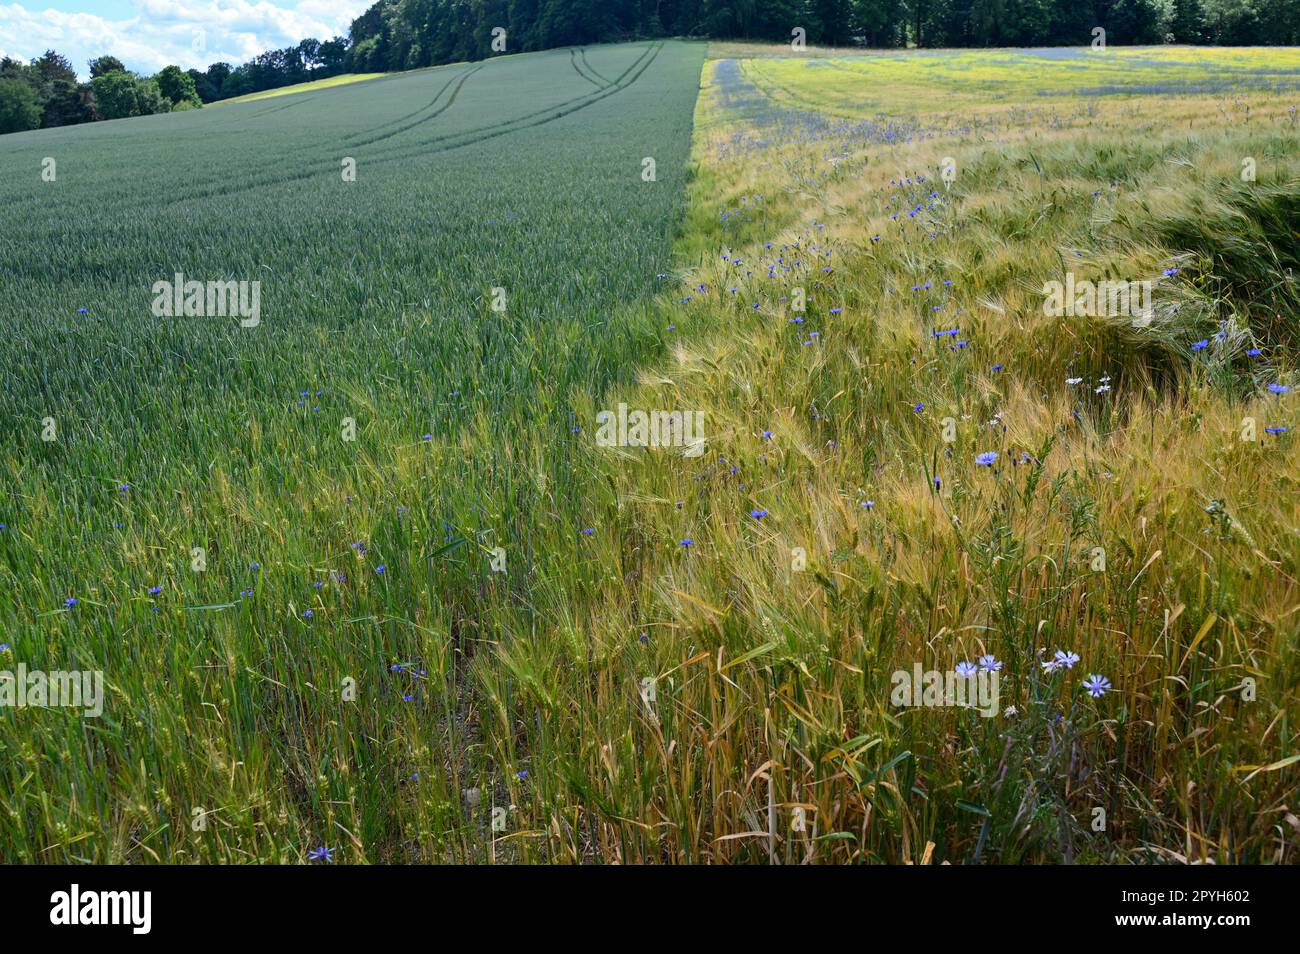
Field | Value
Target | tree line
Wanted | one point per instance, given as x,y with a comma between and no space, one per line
410,34
46,92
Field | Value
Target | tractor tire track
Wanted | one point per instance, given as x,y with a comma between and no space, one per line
573,61
277,107
582,54
459,81
323,165
417,150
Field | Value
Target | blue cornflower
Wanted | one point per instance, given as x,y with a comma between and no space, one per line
758,514
381,569
1065,659
4,647
155,590
521,774
1254,353
687,542
987,458
307,614
588,531
1275,430
70,602
767,435
1279,388
965,669
321,854
1170,272
997,367
918,407
990,664
1096,686
1201,345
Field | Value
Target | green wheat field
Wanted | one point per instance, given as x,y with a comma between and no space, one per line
366,585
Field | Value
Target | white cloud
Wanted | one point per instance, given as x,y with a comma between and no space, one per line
189,33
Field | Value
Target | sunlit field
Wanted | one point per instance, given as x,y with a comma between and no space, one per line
971,478
314,86
473,631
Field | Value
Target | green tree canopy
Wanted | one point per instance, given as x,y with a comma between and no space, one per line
68,104
177,86
103,65
19,107
119,95
53,66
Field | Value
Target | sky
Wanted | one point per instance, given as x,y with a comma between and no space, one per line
147,35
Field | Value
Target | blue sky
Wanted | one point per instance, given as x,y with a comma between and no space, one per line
149,34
